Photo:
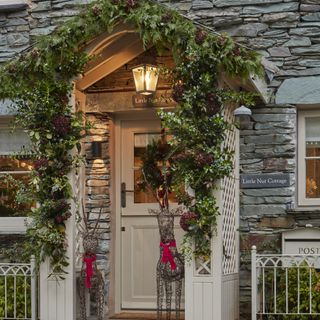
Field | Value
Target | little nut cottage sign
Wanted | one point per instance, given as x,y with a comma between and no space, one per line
255,181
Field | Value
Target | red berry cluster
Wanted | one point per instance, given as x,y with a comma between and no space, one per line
166,17
212,104
61,125
61,218
222,40
200,36
62,206
203,159
177,92
131,3
40,164
186,219
61,211
35,53
181,156
96,10
236,51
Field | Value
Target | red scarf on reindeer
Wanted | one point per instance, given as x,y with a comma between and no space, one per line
167,254
89,259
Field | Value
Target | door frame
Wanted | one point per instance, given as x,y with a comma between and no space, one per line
146,114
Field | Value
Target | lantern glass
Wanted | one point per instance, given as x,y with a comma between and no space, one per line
145,78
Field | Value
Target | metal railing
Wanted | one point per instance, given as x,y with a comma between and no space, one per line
18,294
284,285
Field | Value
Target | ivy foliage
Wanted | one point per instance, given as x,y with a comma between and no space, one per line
39,82
303,281
15,297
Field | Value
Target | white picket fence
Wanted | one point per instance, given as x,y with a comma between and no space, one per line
285,285
18,291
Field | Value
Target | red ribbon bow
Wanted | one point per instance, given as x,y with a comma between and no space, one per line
89,268
167,254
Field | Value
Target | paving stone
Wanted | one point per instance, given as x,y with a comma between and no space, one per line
280,7
279,52
17,39
226,3
248,30
308,31
314,49
282,16
262,210
277,222
296,41
304,90
309,8
273,117
201,4
312,17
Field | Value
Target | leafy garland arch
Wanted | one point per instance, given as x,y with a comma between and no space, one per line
40,84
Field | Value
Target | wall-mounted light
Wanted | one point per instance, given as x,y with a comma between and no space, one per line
243,116
96,149
145,78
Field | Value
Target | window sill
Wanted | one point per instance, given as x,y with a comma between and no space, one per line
10,225
12,5
303,212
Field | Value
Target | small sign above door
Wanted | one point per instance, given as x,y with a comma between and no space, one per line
163,99
256,181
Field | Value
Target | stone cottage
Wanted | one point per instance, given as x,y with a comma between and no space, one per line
281,142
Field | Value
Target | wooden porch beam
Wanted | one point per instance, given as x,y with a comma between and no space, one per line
112,58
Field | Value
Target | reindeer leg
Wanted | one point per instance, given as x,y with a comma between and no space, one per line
82,294
100,294
159,294
178,288
168,286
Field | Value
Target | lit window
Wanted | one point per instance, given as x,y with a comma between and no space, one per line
14,173
14,176
309,158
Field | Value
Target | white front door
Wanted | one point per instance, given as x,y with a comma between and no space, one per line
139,230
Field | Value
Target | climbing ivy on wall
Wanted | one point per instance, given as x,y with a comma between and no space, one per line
40,84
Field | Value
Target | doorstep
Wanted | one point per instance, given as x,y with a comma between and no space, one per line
141,316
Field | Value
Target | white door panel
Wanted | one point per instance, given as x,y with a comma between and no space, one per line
140,235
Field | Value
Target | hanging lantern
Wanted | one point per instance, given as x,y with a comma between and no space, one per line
145,78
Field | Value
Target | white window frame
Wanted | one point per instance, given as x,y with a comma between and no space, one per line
12,225
301,165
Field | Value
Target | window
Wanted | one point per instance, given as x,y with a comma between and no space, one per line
14,171
309,158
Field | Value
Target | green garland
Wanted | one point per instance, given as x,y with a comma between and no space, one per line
39,82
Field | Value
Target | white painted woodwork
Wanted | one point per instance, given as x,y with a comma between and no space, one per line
58,297
140,240
303,201
212,286
10,225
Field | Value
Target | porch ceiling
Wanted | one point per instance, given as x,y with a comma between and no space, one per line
110,51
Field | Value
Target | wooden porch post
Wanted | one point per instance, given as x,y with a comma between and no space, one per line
212,285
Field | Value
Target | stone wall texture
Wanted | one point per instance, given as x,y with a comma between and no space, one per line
97,192
287,34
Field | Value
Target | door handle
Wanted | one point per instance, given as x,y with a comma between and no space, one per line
123,194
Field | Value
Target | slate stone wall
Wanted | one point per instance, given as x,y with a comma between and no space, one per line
18,29
97,192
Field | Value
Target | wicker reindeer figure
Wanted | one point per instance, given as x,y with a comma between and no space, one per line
170,267
91,276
